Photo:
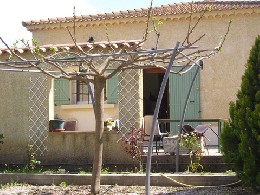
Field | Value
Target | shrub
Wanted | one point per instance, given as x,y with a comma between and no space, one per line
191,142
32,162
132,144
240,137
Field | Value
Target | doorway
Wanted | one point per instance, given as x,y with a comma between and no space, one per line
152,79
174,96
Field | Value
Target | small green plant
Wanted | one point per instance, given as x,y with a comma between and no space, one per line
228,172
82,172
105,170
11,183
191,142
63,184
61,171
19,169
32,162
6,168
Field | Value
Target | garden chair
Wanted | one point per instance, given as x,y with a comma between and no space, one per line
158,134
200,131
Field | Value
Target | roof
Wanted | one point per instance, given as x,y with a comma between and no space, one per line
86,45
170,9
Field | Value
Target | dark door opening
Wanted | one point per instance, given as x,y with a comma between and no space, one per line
151,87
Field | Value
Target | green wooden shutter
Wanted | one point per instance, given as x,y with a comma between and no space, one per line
61,92
112,90
179,87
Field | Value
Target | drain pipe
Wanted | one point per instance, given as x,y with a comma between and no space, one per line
155,117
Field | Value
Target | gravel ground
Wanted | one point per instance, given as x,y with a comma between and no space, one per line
116,190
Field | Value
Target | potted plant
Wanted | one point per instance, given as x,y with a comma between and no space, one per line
108,124
56,125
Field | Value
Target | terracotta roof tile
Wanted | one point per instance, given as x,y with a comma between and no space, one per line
87,45
177,8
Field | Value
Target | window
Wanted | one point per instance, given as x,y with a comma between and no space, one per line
76,92
82,93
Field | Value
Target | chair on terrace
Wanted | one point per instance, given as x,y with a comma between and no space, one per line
200,131
158,135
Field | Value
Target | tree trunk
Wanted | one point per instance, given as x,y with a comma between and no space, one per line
99,85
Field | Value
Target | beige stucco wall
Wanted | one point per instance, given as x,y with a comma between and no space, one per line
221,76
16,110
70,148
84,114
61,148
78,149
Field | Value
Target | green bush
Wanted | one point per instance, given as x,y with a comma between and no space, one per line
240,139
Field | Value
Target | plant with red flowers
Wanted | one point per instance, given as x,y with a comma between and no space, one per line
132,143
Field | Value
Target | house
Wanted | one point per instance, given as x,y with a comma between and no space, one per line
216,85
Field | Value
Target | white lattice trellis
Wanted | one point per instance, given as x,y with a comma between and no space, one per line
38,114
129,95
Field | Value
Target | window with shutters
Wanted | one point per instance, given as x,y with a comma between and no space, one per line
76,92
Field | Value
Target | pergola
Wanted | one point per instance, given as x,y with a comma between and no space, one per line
137,58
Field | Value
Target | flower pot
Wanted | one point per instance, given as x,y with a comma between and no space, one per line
56,125
58,130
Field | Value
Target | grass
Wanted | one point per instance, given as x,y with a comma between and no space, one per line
21,170
12,183
206,173
25,169
105,170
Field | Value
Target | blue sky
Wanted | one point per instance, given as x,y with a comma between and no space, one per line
11,16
